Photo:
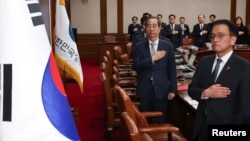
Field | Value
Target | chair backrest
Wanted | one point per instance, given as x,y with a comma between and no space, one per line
107,67
125,59
130,130
125,103
117,53
129,49
109,38
109,57
108,91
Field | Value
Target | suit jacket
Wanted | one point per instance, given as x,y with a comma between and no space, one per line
131,31
185,32
200,40
163,71
225,110
175,39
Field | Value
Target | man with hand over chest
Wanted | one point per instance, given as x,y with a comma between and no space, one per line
220,82
154,61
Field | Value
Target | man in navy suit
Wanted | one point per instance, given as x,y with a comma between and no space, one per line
200,32
222,101
173,32
156,68
184,27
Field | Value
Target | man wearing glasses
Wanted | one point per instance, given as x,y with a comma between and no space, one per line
220,83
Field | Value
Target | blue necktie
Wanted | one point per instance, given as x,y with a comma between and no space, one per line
216,69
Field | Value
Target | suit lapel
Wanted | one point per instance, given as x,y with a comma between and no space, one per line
226,68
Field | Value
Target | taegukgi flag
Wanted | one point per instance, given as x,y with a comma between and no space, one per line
66,51
33,103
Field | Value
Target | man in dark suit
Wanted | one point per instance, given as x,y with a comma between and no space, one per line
184,27
173,32
163,25
212,18
156,69
200,32
133,27
222,100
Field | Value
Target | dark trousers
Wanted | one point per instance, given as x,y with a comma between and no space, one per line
150,103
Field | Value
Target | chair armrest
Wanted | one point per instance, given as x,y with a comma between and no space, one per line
151,114
161,129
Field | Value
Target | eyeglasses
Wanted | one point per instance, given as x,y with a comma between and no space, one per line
219,36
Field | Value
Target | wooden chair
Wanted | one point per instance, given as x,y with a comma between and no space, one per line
112,115
121,67
130,131
118,53
130,49
158,132
131,90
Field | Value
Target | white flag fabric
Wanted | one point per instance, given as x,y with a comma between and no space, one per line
66,51
33,103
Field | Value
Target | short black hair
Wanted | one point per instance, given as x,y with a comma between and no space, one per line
212,15
182,18
171,15
159,15
233,29
134,17
143,19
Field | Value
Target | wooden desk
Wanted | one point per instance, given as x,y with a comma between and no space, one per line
181,113
245,53
104,46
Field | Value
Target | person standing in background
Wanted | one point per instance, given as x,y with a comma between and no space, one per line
133,27
154,61
243,36
220,83
173,32
163,25
200,32
212,18
184,27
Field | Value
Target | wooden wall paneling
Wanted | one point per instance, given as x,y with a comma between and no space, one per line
247,12
103,9
233,10
120,16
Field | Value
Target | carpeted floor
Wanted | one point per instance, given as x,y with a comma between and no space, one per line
90,104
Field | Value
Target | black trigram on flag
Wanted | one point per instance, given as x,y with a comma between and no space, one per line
6,89
34,8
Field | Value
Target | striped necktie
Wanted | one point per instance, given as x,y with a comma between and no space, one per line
216,69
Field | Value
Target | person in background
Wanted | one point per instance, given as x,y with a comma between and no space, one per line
184,27
140,35
154,61
212,18
222,96
133,27
200,32
243,36
173,32
163,25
